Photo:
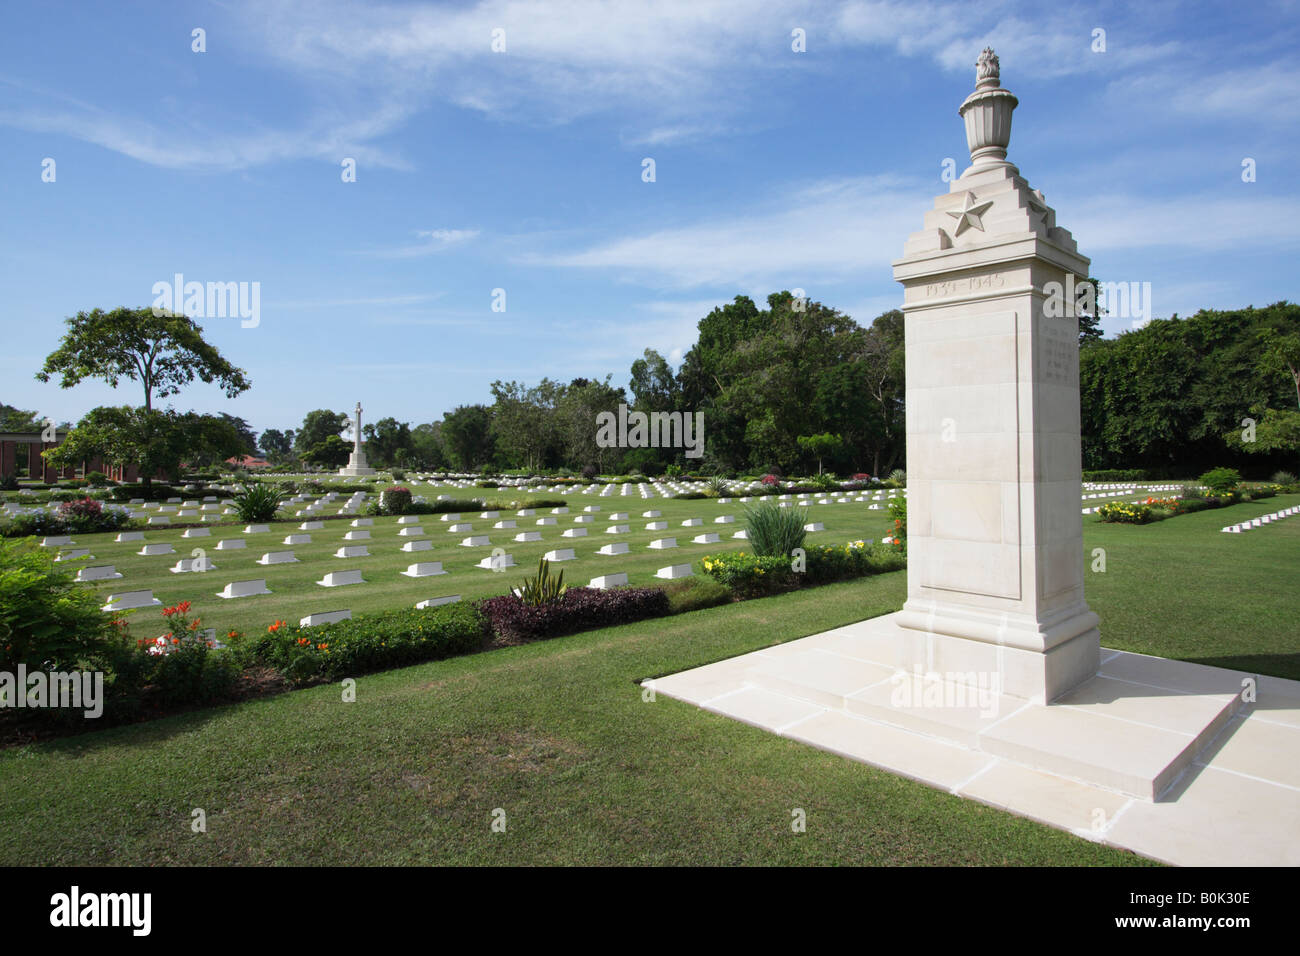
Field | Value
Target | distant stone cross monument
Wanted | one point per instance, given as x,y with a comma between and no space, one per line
357,464
995,536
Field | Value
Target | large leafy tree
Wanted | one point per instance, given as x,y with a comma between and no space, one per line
17,420
576,412
331,452
523,421
427,449
247,437
152,440
1165,395
162,352
317,426
388,442
467,436
276,444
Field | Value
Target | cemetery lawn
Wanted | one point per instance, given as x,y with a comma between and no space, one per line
557,735
294,592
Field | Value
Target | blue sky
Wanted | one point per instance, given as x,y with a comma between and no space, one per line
522,170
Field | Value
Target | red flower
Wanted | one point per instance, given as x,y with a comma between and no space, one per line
183,607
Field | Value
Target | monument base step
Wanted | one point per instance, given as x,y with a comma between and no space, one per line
1132,728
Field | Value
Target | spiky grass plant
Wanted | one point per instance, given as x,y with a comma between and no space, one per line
774,531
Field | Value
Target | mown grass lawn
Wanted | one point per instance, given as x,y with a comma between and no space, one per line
557,735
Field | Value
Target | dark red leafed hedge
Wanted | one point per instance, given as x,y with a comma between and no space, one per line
579,609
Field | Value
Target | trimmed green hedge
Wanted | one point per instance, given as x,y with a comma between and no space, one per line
370,643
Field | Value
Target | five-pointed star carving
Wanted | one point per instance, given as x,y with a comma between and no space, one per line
969,215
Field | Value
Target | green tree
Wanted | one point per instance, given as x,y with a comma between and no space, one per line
163,352
277,445
1089,309
427,449
152,440
387,440
820,446
330,452
16,420
317,426
467,435
247,437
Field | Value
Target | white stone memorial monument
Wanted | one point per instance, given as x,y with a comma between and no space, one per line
357,464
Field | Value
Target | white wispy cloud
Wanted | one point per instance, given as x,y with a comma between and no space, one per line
823,231
432,241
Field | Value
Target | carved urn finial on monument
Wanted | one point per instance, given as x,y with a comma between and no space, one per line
987,113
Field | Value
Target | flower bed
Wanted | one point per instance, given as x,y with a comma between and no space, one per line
1158,509
370,643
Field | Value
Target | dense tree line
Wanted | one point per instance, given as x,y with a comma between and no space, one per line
796,387
1178,396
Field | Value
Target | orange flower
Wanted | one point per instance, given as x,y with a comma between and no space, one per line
233,634
321,647
168,611
176,640
183,607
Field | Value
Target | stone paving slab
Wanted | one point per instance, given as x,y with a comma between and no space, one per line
1231,799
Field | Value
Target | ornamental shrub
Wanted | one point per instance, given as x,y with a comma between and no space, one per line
1221,479
578,609
395,500
773,530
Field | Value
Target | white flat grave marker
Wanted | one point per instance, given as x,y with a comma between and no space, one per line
609,581
709,538
353,551
363,523
73,554
312,526
56,541
197,533
357,536
337,579
192,565
152,549
410,531
231,544
425,569
240,589
101,572
425,545
257,529
277,557
617,529
663,544
505,523
692,522
674,571
814,526
614,547
495,562
525,536
476,541
125,536
573,533
560,554
438,601
325,617
656,526
297,539
131,599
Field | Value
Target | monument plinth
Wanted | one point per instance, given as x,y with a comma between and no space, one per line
995,538
992,671
357,464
